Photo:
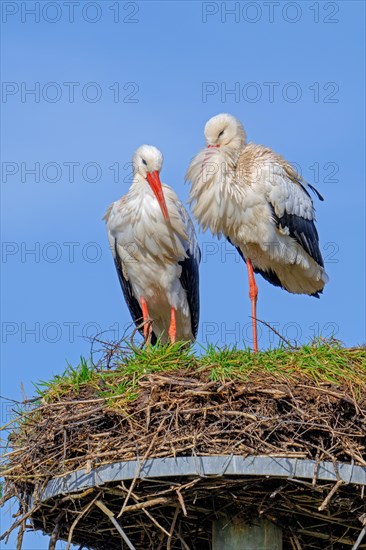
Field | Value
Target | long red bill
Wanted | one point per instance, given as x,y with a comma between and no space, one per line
210,146
155,184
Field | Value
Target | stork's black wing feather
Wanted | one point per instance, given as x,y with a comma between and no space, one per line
303,231
131,301
189,280
292,208
190,270
316,192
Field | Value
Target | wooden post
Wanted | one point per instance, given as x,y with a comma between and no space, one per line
234,534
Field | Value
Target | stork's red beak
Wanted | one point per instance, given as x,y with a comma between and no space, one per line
155,184
218,145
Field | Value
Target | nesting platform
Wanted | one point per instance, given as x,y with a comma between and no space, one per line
171,452
180,500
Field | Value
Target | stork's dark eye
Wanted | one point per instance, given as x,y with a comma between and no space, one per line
220,134
144,162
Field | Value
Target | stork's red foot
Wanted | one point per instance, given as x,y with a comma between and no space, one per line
146,319
253,295
173,326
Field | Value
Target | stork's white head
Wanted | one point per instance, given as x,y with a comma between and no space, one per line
147,162
225,130
147,158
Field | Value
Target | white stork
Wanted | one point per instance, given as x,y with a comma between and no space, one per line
259,202
156,254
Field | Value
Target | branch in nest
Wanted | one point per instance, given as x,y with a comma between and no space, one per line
110,514
276,332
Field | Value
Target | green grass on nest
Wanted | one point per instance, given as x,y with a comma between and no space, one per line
320,362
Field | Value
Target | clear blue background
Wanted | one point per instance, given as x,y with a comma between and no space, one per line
168,53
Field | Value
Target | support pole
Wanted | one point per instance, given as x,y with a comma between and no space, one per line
234,534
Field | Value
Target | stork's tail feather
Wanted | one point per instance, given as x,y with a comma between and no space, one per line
272,278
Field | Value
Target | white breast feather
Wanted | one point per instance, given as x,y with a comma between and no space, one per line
212,173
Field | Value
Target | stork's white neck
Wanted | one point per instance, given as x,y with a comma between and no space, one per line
234,149
139,181
143,218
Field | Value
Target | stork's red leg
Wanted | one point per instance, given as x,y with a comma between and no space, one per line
146,319
253,295
173,326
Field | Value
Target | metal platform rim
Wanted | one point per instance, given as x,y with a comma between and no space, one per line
203,466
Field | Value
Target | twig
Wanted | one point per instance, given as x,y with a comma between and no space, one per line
78,518
20,536
185,546
316,468
359,539
147,504
12,400
181,502
17,523
110,514
155,522
109,349
139,327
295,542
276,332
143,508
56,531
172,527
140,467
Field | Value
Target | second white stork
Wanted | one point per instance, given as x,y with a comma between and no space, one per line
156,253
262,205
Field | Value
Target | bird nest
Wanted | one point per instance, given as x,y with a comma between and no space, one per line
308,403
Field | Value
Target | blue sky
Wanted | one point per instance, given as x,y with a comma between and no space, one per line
154,72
